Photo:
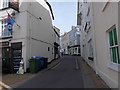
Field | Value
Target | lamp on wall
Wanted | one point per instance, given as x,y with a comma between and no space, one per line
13,13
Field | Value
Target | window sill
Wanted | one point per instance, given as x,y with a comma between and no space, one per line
5,37
114,67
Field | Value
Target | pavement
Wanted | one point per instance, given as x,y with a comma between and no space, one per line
91,79
69,72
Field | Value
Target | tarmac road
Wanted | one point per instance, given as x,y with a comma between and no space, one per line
66,74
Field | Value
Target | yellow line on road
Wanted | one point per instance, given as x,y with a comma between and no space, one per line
4,85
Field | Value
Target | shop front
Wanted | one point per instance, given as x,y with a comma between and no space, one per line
10,55
56,50
5,56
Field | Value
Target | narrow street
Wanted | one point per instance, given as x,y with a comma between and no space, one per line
66,74
63,75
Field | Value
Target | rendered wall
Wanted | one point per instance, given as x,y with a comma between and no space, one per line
104,20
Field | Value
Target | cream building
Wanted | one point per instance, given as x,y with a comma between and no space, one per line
99,42
34,37
56,42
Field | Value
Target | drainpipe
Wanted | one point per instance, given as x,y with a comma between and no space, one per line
30,32
94,40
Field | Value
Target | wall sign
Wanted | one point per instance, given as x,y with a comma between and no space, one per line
4,43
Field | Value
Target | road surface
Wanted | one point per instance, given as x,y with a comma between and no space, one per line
66,74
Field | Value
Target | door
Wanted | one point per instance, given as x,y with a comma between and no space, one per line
5,60
16,56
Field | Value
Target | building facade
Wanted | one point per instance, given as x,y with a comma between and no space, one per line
74,41
57,42
70,42
98,22
32,33
65,43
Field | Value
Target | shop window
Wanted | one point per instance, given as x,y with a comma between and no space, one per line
113,46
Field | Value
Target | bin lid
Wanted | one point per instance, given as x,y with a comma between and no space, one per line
37,57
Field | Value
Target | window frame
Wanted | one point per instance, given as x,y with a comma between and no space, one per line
113,46
4,4
4,29
90,49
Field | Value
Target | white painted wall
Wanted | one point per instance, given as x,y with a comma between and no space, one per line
101,22
40,30
36,35
104,20
86,36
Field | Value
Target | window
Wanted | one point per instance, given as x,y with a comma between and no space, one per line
4,29
85,1
48,48
75,42
88,11
4,4
113,43
90,50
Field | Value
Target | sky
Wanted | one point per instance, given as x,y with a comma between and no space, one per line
65,14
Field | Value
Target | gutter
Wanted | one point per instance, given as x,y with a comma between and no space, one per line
50,8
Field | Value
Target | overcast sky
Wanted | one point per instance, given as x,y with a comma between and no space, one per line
65,14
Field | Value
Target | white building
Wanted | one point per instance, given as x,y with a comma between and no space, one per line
71,42
34,37
98,22
57,42
65,43
74,41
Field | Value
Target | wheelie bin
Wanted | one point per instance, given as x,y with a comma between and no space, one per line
45,62
34,65
40,62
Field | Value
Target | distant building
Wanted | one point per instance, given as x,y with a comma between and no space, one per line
74,41
34,37
99,32
65,43
71,42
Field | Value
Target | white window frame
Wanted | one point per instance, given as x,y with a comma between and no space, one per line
115,46
5,32
4,4
112,65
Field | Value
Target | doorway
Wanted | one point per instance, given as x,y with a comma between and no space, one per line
5,53
16,56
